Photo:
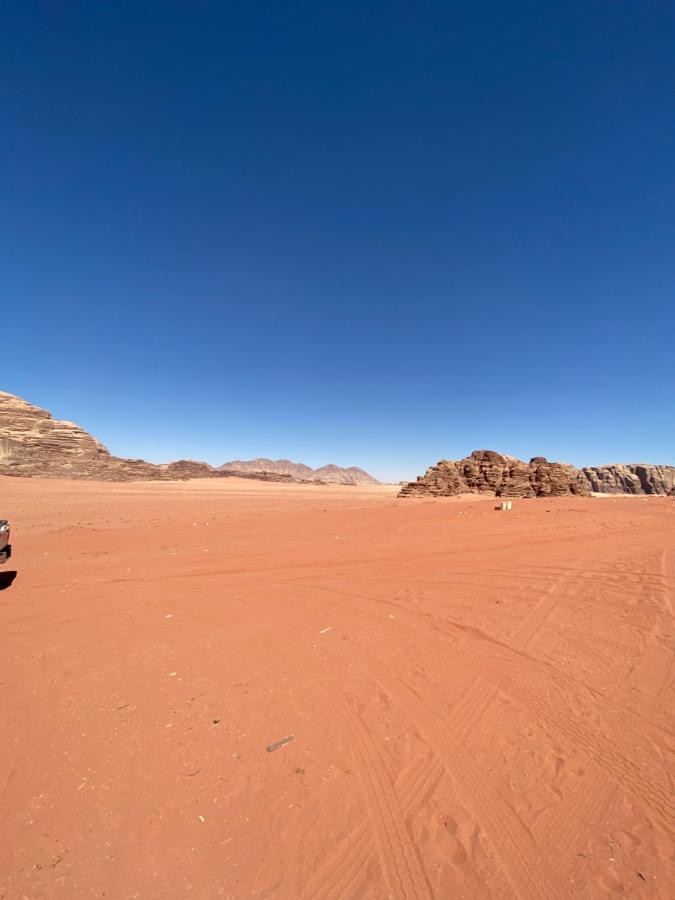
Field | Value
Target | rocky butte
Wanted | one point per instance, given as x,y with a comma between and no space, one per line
33,442
499,475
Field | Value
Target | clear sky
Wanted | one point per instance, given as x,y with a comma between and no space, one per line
373,234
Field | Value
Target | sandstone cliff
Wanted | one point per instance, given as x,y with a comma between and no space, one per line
633,478
34,431
488,472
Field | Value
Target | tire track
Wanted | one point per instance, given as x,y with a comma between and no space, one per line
495,674
344,871
668,575
498,673
415,792
644,781
472,706
401,868
481,695
534,620
652,673
624,770
519,858
586,804
347,866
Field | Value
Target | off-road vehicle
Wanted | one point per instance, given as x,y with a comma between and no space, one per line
5,546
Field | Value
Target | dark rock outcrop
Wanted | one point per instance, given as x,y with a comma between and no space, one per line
498,475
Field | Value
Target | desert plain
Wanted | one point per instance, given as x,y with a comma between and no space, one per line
479,704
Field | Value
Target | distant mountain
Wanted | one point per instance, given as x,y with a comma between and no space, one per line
34,443
329,474
337,475
297,471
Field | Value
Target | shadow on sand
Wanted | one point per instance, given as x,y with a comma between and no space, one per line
6,579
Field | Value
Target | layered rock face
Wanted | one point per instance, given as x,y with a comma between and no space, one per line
635,478
553,479
33,431
33,442
488,472
8,448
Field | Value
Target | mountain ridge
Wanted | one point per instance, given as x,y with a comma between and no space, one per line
34,443
328,474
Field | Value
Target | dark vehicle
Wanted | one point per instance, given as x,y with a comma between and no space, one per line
5,546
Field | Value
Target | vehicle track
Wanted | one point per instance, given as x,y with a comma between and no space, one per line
497,675
587,803
345,870
643,781
668,576
513,845
400,863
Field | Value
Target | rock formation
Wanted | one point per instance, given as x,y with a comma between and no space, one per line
297,471
35,432
488,472
554,479
187,468
634,478
329,474
8,448
32,442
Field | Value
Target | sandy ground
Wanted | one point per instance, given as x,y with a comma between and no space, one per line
481,703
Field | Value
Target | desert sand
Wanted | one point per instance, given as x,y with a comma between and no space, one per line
481,703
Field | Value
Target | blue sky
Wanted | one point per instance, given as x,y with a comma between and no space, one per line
365,233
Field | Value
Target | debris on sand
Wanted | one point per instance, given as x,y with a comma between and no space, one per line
275,746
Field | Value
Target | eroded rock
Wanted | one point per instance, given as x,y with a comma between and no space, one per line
499,475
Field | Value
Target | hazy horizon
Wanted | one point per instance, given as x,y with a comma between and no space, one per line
362,235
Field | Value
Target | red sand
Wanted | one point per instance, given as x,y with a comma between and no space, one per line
481,702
